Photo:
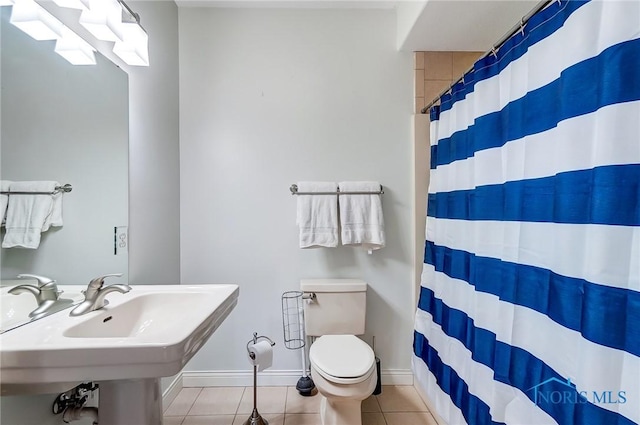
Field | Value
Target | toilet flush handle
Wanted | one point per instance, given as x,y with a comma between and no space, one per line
309,296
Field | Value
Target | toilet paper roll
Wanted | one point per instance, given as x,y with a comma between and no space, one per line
263,355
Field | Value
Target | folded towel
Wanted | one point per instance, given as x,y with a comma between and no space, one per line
4,200
361,216
317,215
29,215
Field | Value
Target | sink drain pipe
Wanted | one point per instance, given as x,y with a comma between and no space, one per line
76,413
72,404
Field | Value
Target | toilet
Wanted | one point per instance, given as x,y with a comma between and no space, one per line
343,367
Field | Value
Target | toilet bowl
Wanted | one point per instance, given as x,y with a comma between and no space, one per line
343,369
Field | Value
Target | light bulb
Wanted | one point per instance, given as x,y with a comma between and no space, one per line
34,20
134,48
74,49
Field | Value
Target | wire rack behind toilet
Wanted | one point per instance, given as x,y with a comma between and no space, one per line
294,336
292,320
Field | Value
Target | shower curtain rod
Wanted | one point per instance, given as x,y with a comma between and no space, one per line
517,27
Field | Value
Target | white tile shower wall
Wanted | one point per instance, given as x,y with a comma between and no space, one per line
435,71
267,98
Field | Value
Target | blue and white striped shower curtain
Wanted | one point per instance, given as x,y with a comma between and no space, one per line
529,311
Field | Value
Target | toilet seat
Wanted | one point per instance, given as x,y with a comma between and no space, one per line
342,359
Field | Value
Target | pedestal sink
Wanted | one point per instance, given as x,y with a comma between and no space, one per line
148,333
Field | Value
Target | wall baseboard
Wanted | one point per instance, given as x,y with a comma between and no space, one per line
172,390
397,377
275,378
268,378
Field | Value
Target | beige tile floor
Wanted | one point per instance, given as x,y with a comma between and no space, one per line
397,405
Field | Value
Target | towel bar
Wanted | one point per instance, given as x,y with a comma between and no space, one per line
294,191
66,188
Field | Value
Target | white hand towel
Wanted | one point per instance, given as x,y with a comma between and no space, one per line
317,215
30,215
4,200
361,216
55,218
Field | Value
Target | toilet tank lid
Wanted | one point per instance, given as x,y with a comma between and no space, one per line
333,285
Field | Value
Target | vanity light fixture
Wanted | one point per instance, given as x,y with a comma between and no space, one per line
134,47
107,20
103,20
74,49
34,20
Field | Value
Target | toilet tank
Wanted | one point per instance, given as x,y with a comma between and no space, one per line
339,306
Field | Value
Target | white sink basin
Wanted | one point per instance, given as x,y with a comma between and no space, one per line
15,309
149,332
147,317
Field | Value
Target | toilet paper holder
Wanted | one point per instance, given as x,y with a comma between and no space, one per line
255,341
255,418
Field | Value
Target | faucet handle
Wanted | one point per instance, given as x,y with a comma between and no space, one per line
96,284
47,289
42,280
99,281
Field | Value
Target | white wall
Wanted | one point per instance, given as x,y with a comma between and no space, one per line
461,25
407,13
271,97
154,174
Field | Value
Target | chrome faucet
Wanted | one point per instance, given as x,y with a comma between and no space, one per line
46,292
94,295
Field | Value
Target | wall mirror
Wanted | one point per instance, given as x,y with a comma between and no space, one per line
69,124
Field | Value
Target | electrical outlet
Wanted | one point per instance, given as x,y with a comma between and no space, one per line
120,240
